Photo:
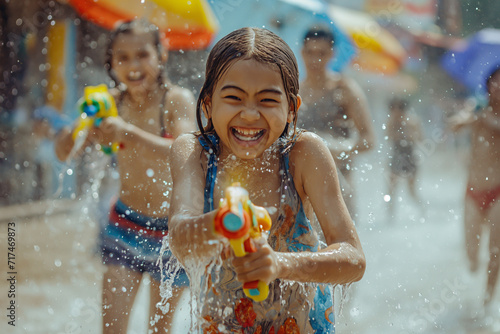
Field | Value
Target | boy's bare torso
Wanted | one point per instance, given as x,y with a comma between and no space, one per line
324,109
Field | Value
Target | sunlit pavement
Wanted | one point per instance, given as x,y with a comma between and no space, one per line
416,280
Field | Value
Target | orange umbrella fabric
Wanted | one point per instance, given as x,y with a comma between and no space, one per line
186,24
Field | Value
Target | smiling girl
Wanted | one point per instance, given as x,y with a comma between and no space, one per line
152,112
250,101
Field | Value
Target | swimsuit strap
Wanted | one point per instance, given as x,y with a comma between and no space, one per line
211,171
302,226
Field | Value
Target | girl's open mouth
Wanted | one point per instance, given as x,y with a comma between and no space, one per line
247,135
135,76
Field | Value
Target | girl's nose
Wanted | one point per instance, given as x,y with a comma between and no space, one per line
250,113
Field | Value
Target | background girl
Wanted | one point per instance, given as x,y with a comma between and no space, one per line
250,100
151,113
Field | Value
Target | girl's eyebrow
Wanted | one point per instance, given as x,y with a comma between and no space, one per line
232,87
267,90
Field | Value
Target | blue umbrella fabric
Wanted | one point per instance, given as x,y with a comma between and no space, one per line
289,19
475,60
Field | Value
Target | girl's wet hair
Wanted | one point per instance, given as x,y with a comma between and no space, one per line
249,43
138,26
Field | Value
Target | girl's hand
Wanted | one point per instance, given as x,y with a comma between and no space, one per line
263,265
111,130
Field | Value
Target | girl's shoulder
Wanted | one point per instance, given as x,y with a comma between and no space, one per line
308,147
306,138
309,161
176,93
187,142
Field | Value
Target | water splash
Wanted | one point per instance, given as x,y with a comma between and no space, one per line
198,283
344,296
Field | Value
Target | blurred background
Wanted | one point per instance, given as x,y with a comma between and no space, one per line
417,278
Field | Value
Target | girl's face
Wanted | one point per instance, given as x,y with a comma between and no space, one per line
316,54
135,62
249,108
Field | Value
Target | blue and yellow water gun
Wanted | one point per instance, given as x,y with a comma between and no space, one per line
95,105
240,221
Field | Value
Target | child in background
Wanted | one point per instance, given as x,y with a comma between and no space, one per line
482,196
152,112
250,101
335,108
404,131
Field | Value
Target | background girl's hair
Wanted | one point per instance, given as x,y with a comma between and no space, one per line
249,43
138,26
319,32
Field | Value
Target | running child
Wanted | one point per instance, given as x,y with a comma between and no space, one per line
152,112
250,101
482,196
404,131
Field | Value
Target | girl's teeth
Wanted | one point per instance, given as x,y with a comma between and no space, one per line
134,75
247,135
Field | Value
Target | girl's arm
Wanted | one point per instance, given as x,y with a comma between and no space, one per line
64,144
115,129
462,119
315,177
190,231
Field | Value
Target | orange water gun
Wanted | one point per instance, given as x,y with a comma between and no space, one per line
96,104
240,221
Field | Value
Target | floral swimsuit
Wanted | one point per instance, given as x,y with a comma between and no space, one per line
291,307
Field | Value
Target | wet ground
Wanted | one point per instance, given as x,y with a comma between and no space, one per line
416,280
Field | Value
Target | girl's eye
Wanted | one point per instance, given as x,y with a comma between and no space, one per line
269,101
232,97
143,55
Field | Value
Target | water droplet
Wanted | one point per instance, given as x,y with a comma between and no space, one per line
57,262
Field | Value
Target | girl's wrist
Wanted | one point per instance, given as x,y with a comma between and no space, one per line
125,133
284,265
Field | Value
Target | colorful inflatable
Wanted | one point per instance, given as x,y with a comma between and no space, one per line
186,24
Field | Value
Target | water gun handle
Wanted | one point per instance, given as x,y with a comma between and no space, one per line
237,221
